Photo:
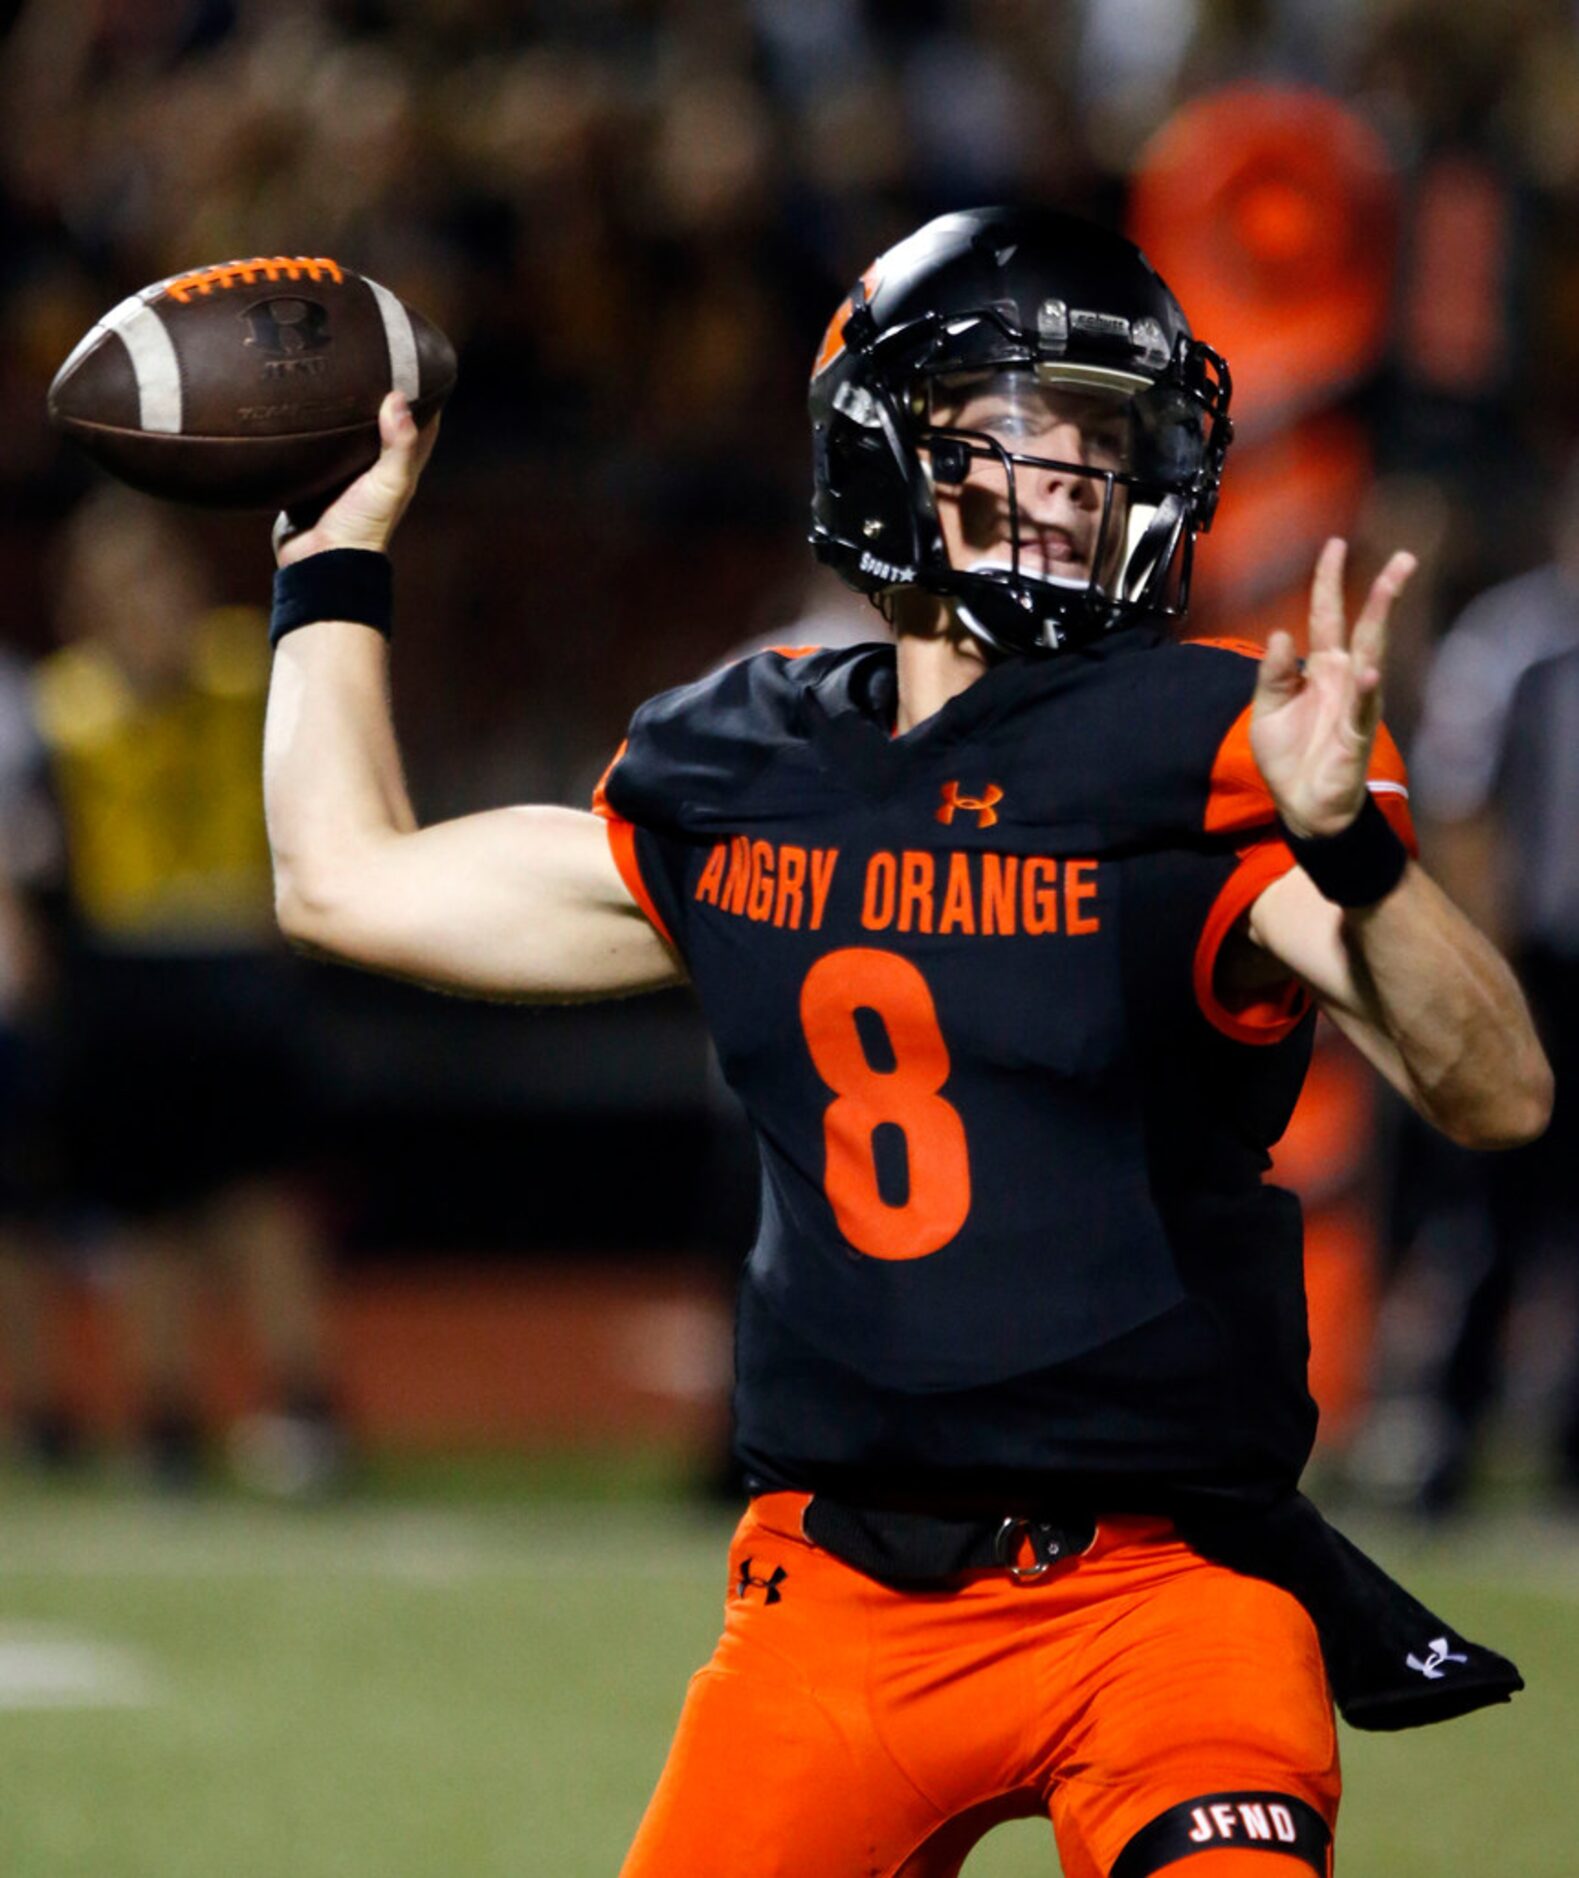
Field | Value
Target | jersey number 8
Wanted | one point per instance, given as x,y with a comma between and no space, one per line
906,1097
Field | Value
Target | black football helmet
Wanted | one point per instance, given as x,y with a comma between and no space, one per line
992,327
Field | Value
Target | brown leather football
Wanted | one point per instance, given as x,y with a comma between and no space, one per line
254,384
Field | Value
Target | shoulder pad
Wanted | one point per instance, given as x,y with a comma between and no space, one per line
691,752
1138,757
1236,797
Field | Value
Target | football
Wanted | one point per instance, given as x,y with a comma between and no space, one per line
253,384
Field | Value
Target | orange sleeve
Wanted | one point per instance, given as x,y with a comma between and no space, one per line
1238,800
1236,796
622,845
1271,1015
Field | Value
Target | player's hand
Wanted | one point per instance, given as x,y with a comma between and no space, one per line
366,514
1312,725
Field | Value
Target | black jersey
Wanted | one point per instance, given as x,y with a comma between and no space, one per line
1014,1228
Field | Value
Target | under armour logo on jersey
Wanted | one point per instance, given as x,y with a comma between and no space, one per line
983,807
768,1585
1437,1654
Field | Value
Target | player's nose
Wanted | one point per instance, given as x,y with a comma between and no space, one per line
1065,451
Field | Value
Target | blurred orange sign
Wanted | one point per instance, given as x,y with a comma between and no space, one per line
1272,213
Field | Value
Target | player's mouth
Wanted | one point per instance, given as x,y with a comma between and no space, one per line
1047,550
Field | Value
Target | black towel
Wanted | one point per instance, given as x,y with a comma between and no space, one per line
1391,1662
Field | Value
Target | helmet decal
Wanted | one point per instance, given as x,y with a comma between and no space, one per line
833,339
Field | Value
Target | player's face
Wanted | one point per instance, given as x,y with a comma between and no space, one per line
1078,433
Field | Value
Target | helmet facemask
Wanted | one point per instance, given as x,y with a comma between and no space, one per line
1056,491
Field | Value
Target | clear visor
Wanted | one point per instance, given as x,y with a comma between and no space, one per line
1054,474
1034,415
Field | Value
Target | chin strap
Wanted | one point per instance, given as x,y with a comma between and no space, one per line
978,630
1006,616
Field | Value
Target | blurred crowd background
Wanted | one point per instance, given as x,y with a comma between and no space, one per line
448,1225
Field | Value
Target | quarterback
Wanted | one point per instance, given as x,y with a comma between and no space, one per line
1010,934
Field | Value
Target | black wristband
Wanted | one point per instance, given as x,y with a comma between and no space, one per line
1359,865
341,583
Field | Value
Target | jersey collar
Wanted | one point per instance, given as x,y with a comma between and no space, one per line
851,707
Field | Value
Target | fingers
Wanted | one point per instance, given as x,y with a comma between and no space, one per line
1370,629
365,513
1327,631
1278,676
397,428
406,447
1368,646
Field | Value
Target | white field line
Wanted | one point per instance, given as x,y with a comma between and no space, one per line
419,1549
50,1669
1528,1555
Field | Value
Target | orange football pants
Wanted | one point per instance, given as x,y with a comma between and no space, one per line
846,1730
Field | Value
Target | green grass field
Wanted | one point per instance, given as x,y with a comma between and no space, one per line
420,1685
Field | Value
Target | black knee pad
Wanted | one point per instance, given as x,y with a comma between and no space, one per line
1252,1822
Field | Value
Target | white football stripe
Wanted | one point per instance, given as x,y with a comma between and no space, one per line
152,354
1387,788
404,374
147,339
